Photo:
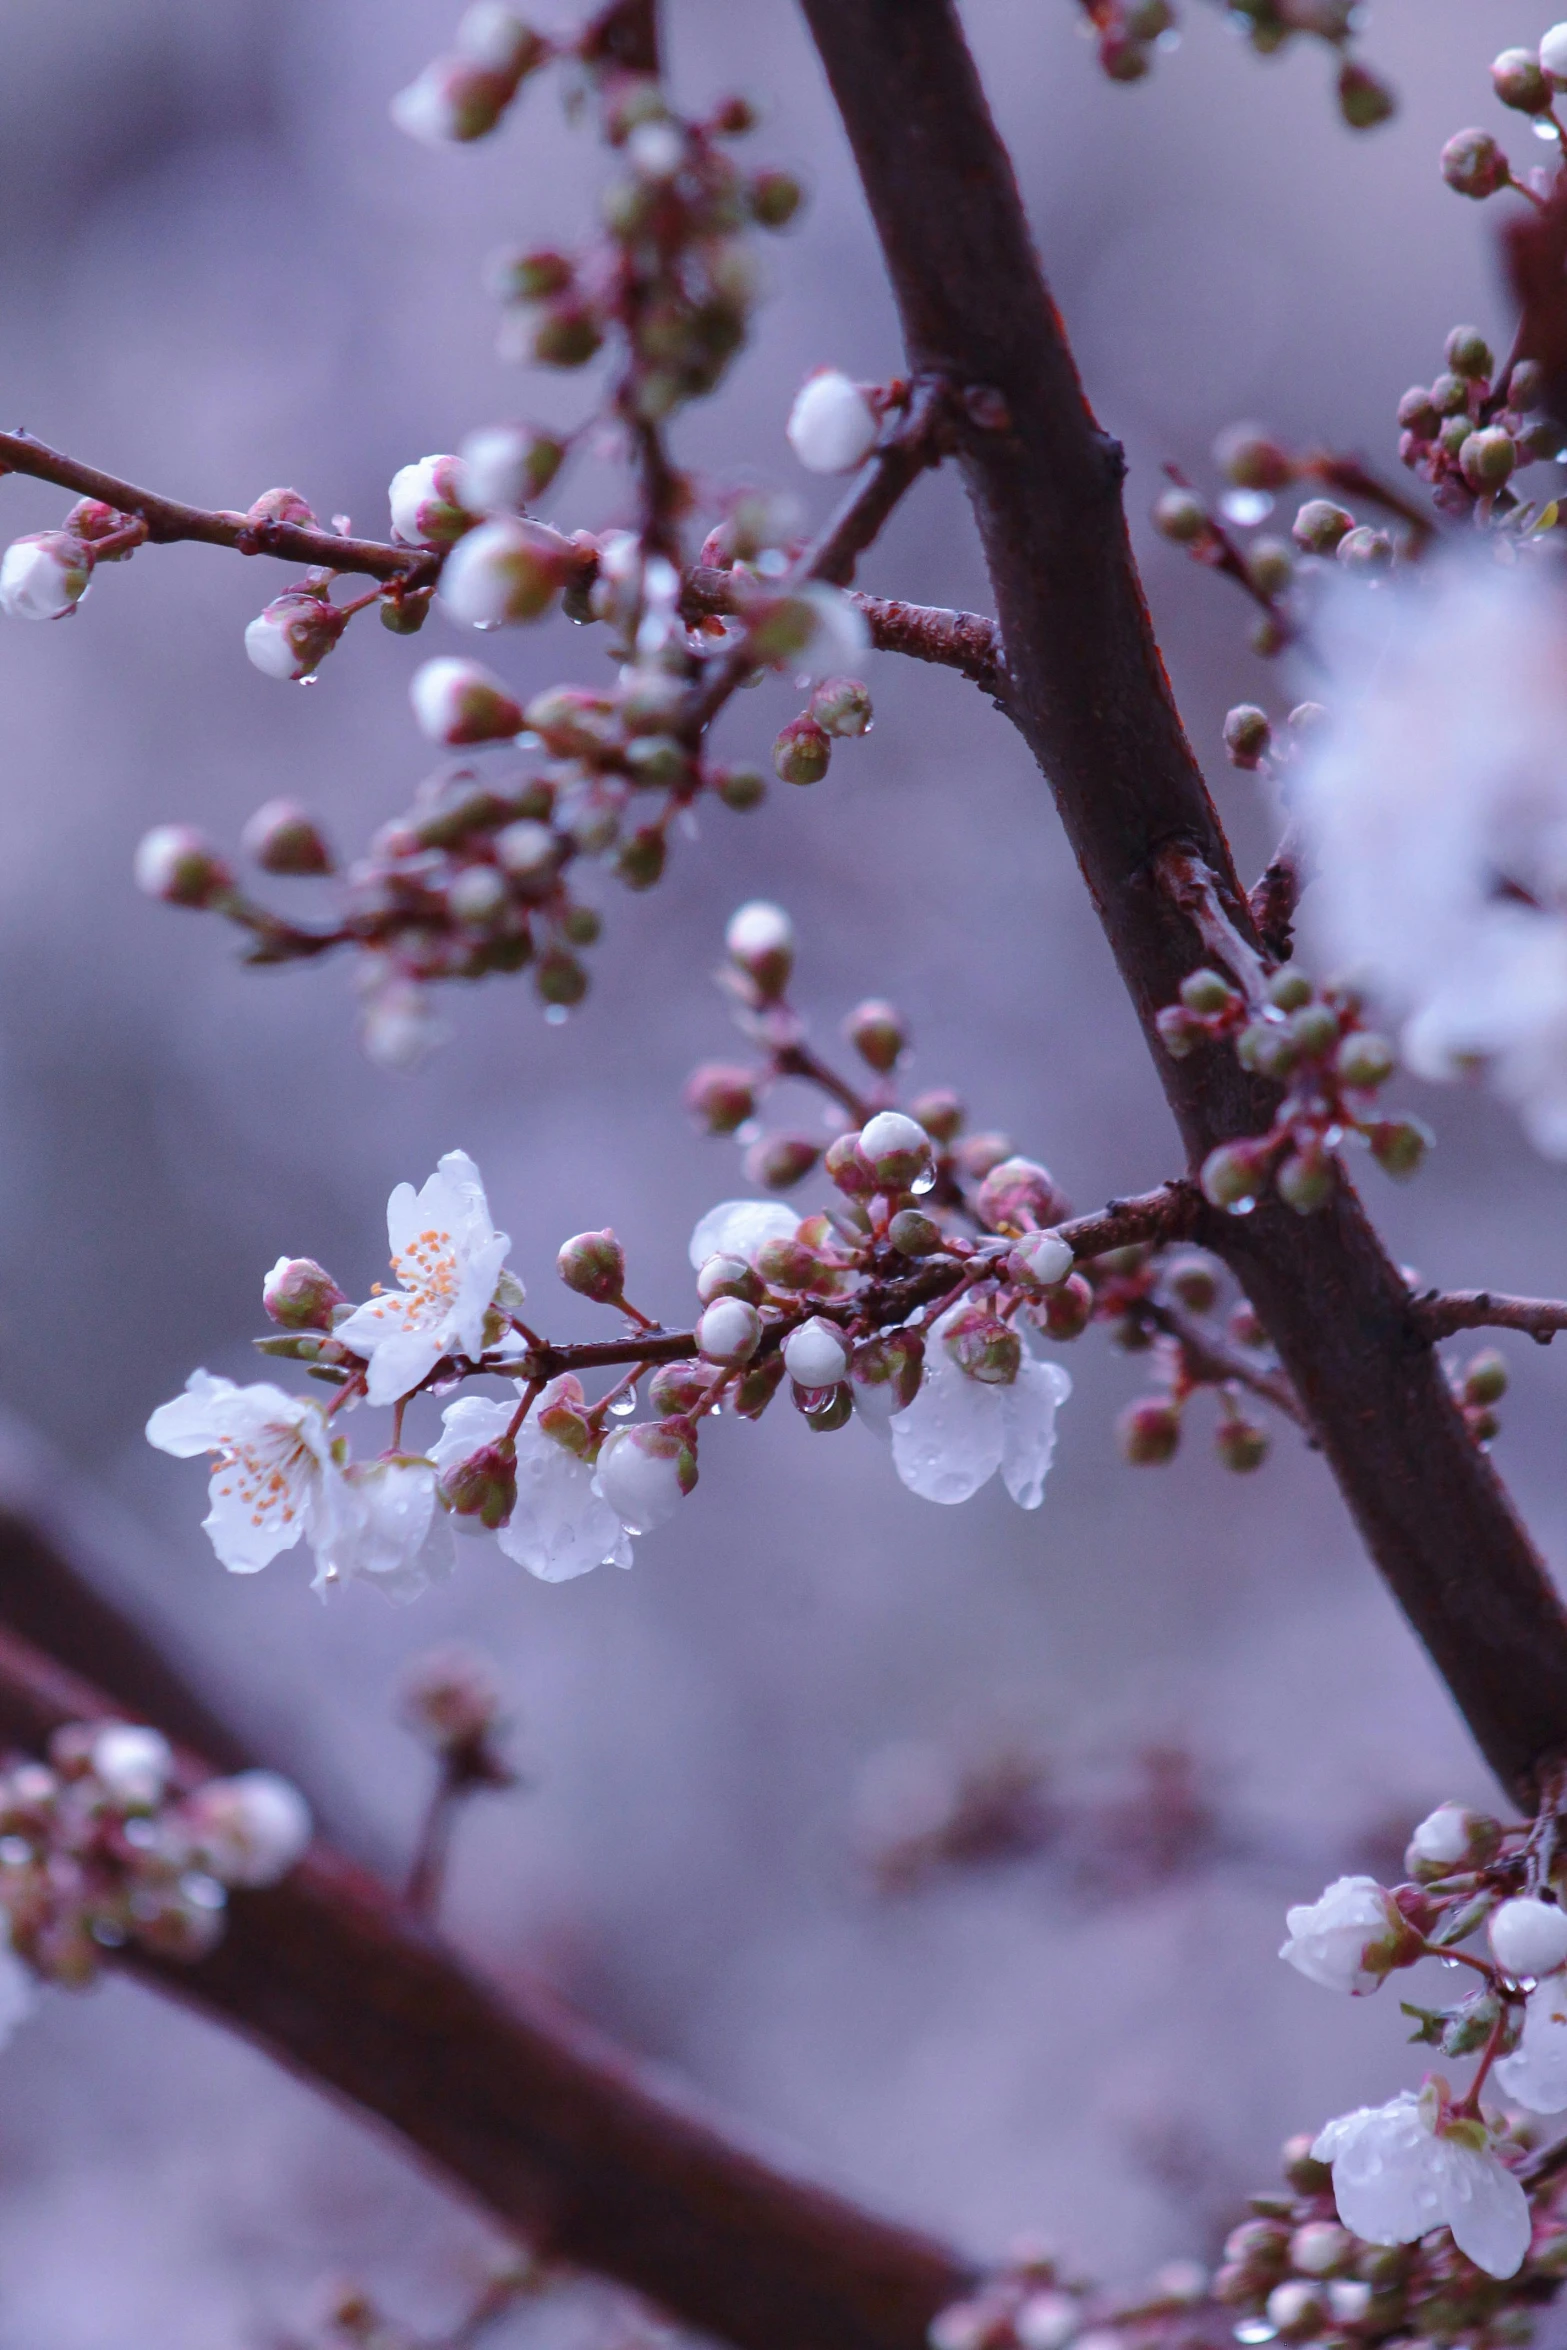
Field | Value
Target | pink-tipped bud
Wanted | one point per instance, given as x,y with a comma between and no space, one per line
93,523
176,863
729,1332
1148,1432
293,635
721,1097
1520,81
788,1264
887,1370
455,99
832,426
848,1167
484,1486
896,1149
248,1830
594,1265
877,1035
299,1294
727,1276
1449,1839
1040,1261
282,838
427,509
1021,1196
779,1161
842,705
45,576
1065,1312
1320,525
645,1472
757,1385
1474,165
985,1348
507,570
677,1389
802,752
760,938
457,702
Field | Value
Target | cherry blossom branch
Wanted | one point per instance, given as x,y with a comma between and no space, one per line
537,2115
1088,691
168,521
1440,1313
965,641
922,440
1212,1358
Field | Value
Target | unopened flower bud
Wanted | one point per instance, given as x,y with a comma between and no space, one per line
1296,2307
1450,1839
507,570
940,1112
457,702
1520,81
729,1331
984,1347
1528,1937
896,1149
1252,459
454,99
847,1166
249,1829
502,467
757,1385
477,896
1305,1182
1020,1196
282,838
914,1234
1364,1060
175,863
1320,525
483,1486
1365,549
1065,1312
641,857
1181,516
1474,165
676,1389
1207,993
721,1097
1247,735
815,1355
44,576
299,1294
877,1035
530,853
740,788
1179,1031
594,1265
1553,54
1363,100
451,1699
842,706
645,1472
779,1161
802,752
1487,459
787,1264
427,510
832,426
1040,1262
1231,1176
727,1276
132,1764
1417,413
760,938
1485,1378
293,635
495,36
1469,356
1399,1145
1241,1445
1149,1432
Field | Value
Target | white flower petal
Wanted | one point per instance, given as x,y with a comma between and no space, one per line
1485,2206
736,1227
1535,2075
1028,1428
951,1438
1386,2178
561,1525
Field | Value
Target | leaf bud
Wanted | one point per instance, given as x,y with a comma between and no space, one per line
594,1265
914,1234
1021,1196
457,702
815,1355
1181,516
940,1112
1148,1432
1474,165
801,752
779,1161
720,1097
1232,1177
896,1149
1365,1060
1363,100
299,1295
1305,1182
1487,458
1251,459
729,1332
1320,525
1247,735
787,1264
760,938
842,706
877,1035
176,863
483,1486
984,1347
1207,993
1399,1146
1241,1445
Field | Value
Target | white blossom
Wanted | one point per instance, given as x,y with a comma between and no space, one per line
390,1533
45,576
644,1474
427,510
495,468
1434,809
275,1477
1535,2075
1397,2172
560,1525
508,569
729,1331
738,1227
250,1829
815,1355
832,426
1442,1840
959,1431
134,1763
1348,1938
1528,1937
447,1256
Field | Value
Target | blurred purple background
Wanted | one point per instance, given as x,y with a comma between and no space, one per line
222,269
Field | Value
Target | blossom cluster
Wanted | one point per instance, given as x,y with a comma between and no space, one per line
1530,82
100,1847
1470,431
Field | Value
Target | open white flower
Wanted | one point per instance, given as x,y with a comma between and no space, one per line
560,1526
390,1532
1535,2075
275,1478
959,1431
1349,1938
447,1256
1399,2171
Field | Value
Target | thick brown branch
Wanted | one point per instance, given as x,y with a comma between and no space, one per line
1087,689
1440,1313
560,2135
167,520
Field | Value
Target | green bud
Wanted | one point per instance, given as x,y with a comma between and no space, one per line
1468,354
1305,1182
1206,993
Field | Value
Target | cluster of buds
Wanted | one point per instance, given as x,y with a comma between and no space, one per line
1127,32
1032,2304
1169,1304
1468,434
99,1848
1313,1043
1478,1386
46,575
1530,82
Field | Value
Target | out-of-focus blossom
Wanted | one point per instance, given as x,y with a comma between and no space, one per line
426,503
738,1227
248,1830
832,426
447,1256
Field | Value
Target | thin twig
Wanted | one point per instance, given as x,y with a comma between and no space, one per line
1440,1312
965,641
922,440
1216,1360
